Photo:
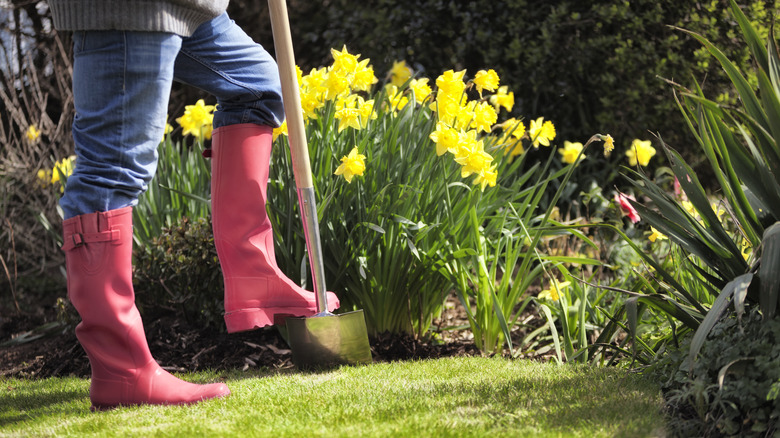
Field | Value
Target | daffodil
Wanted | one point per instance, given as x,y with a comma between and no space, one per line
511,139
351,165
640,152
449,109
347,114
719,208
400,73
445,137
467,144
465,116
344,62
503,98
746,248
473,159
609,145
197,120
396,99
366,110
58,174
314,80
451,84
484,117
688,206
44,177
555,291
33,134
487,80
487,177
280,130
353,111
571,152
541,132
364,77
336,85
515,149
310,103
421,89
62,169
656,235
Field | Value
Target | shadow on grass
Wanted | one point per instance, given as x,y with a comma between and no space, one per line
617,406
40,400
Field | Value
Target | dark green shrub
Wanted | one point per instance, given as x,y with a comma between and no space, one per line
746,356
180,270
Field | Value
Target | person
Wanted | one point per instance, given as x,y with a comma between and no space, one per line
126,55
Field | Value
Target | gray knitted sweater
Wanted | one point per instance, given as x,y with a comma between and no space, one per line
181,17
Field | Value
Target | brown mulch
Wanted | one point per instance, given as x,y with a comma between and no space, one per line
182,346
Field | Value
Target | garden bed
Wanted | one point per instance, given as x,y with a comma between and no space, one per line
179,345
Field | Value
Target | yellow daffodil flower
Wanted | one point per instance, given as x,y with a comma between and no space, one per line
640,152
473,159
44,177
336,84
33,134
570,152
364,77
487,177
445,138
347,114
746,249
487,80
609,144
656,235
397,100
451,84
511,138
541,132
400,73
421,89
688,206
344,63
503,98
197,120
351,165
484,117
467,144
281,130
555,291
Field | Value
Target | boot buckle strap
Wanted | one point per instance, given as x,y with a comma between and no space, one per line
80,239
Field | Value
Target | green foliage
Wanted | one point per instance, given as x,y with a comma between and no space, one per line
741,147
179,269
731,387
180,188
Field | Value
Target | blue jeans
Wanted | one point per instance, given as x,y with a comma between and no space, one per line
121,86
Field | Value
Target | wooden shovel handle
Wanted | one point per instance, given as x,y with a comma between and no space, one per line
285,58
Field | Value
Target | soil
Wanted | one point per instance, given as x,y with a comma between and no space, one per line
181,346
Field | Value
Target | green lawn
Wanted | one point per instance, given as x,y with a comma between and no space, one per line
445,397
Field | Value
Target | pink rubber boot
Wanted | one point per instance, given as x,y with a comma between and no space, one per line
256,291
98,255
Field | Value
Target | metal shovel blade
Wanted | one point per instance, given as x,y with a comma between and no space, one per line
326,340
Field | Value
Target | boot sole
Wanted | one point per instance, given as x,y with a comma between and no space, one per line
252,319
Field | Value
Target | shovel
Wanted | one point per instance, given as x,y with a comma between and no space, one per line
324,339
